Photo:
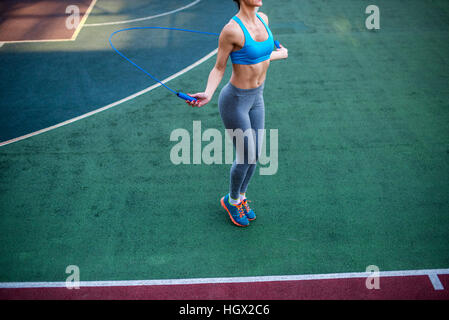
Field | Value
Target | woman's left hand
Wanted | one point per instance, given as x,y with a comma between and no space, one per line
283,51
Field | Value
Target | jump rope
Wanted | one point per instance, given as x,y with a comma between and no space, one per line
179,94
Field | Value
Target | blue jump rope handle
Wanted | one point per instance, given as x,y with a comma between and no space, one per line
277,44
184,96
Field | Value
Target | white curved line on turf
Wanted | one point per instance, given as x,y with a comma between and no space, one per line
431,273
109,106
141,19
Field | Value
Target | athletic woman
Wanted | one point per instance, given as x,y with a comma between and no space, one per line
249,42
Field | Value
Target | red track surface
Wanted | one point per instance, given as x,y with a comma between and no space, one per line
406,287
22,20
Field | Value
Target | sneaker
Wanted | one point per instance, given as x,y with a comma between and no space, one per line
236,213
248,211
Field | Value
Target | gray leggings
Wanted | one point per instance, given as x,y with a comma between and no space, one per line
243,109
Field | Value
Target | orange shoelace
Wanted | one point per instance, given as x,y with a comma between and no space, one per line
245,204
240,209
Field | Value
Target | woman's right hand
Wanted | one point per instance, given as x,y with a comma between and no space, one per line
201,99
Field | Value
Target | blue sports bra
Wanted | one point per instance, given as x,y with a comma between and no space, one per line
253,51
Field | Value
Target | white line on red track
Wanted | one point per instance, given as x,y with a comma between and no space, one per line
431,273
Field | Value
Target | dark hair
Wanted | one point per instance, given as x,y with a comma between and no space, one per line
238,3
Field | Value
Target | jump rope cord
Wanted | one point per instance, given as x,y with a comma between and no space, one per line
179,94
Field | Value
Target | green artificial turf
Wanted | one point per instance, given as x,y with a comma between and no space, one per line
363,168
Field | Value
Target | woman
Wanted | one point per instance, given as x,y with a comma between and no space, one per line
249,42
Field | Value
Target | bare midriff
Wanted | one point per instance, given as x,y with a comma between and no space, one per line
249,76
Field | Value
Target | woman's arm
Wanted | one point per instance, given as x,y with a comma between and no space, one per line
225,46
282,52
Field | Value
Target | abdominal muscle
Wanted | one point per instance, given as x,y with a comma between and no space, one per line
249,76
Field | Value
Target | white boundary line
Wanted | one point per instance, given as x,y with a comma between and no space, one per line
141,19
437,285
431,273
38,41
4,143
83,20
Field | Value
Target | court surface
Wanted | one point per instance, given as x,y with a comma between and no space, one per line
86,178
